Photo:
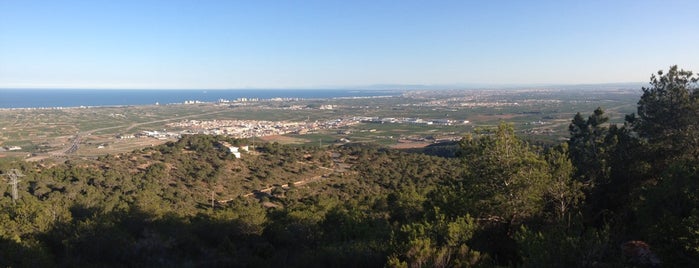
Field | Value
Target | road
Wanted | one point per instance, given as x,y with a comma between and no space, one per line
74,146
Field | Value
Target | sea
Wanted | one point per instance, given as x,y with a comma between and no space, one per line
50,98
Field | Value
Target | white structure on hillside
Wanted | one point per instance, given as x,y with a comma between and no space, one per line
234,150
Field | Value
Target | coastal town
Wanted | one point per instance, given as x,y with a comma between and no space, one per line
414,118
261,128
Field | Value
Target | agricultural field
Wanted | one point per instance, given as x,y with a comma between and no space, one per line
538,115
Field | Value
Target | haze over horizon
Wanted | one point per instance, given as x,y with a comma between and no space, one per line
324,44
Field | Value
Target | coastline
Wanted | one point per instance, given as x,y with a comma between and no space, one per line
58,99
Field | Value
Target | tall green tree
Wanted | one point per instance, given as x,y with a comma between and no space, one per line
668,116
588,147
563,193
508,177
667,127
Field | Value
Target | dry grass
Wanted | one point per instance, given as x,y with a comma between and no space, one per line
283,139
410,145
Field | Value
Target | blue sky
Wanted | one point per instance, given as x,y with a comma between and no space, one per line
326,44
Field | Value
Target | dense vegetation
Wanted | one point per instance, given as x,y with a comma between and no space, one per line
500,202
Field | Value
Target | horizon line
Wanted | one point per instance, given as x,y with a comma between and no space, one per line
363,87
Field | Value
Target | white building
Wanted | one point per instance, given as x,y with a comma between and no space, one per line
234,151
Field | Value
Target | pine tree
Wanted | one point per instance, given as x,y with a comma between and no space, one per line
668,116
589,149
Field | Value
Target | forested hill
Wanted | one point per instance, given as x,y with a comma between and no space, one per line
276,205
611,196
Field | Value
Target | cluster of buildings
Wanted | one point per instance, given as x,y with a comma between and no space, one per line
416,121
255,128
162,135
257,100
10,148
239,100
235,150
259,128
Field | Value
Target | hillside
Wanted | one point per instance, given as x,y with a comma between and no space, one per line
612,195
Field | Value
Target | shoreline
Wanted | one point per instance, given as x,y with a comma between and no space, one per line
191,102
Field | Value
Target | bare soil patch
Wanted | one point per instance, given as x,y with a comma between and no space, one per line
283,139
410,145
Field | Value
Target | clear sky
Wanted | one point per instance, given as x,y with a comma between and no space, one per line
325,44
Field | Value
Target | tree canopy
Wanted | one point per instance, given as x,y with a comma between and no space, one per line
501,202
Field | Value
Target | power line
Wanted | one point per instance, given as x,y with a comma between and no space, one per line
14,175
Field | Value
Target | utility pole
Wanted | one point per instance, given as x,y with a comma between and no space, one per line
14,174
252,133
212,199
